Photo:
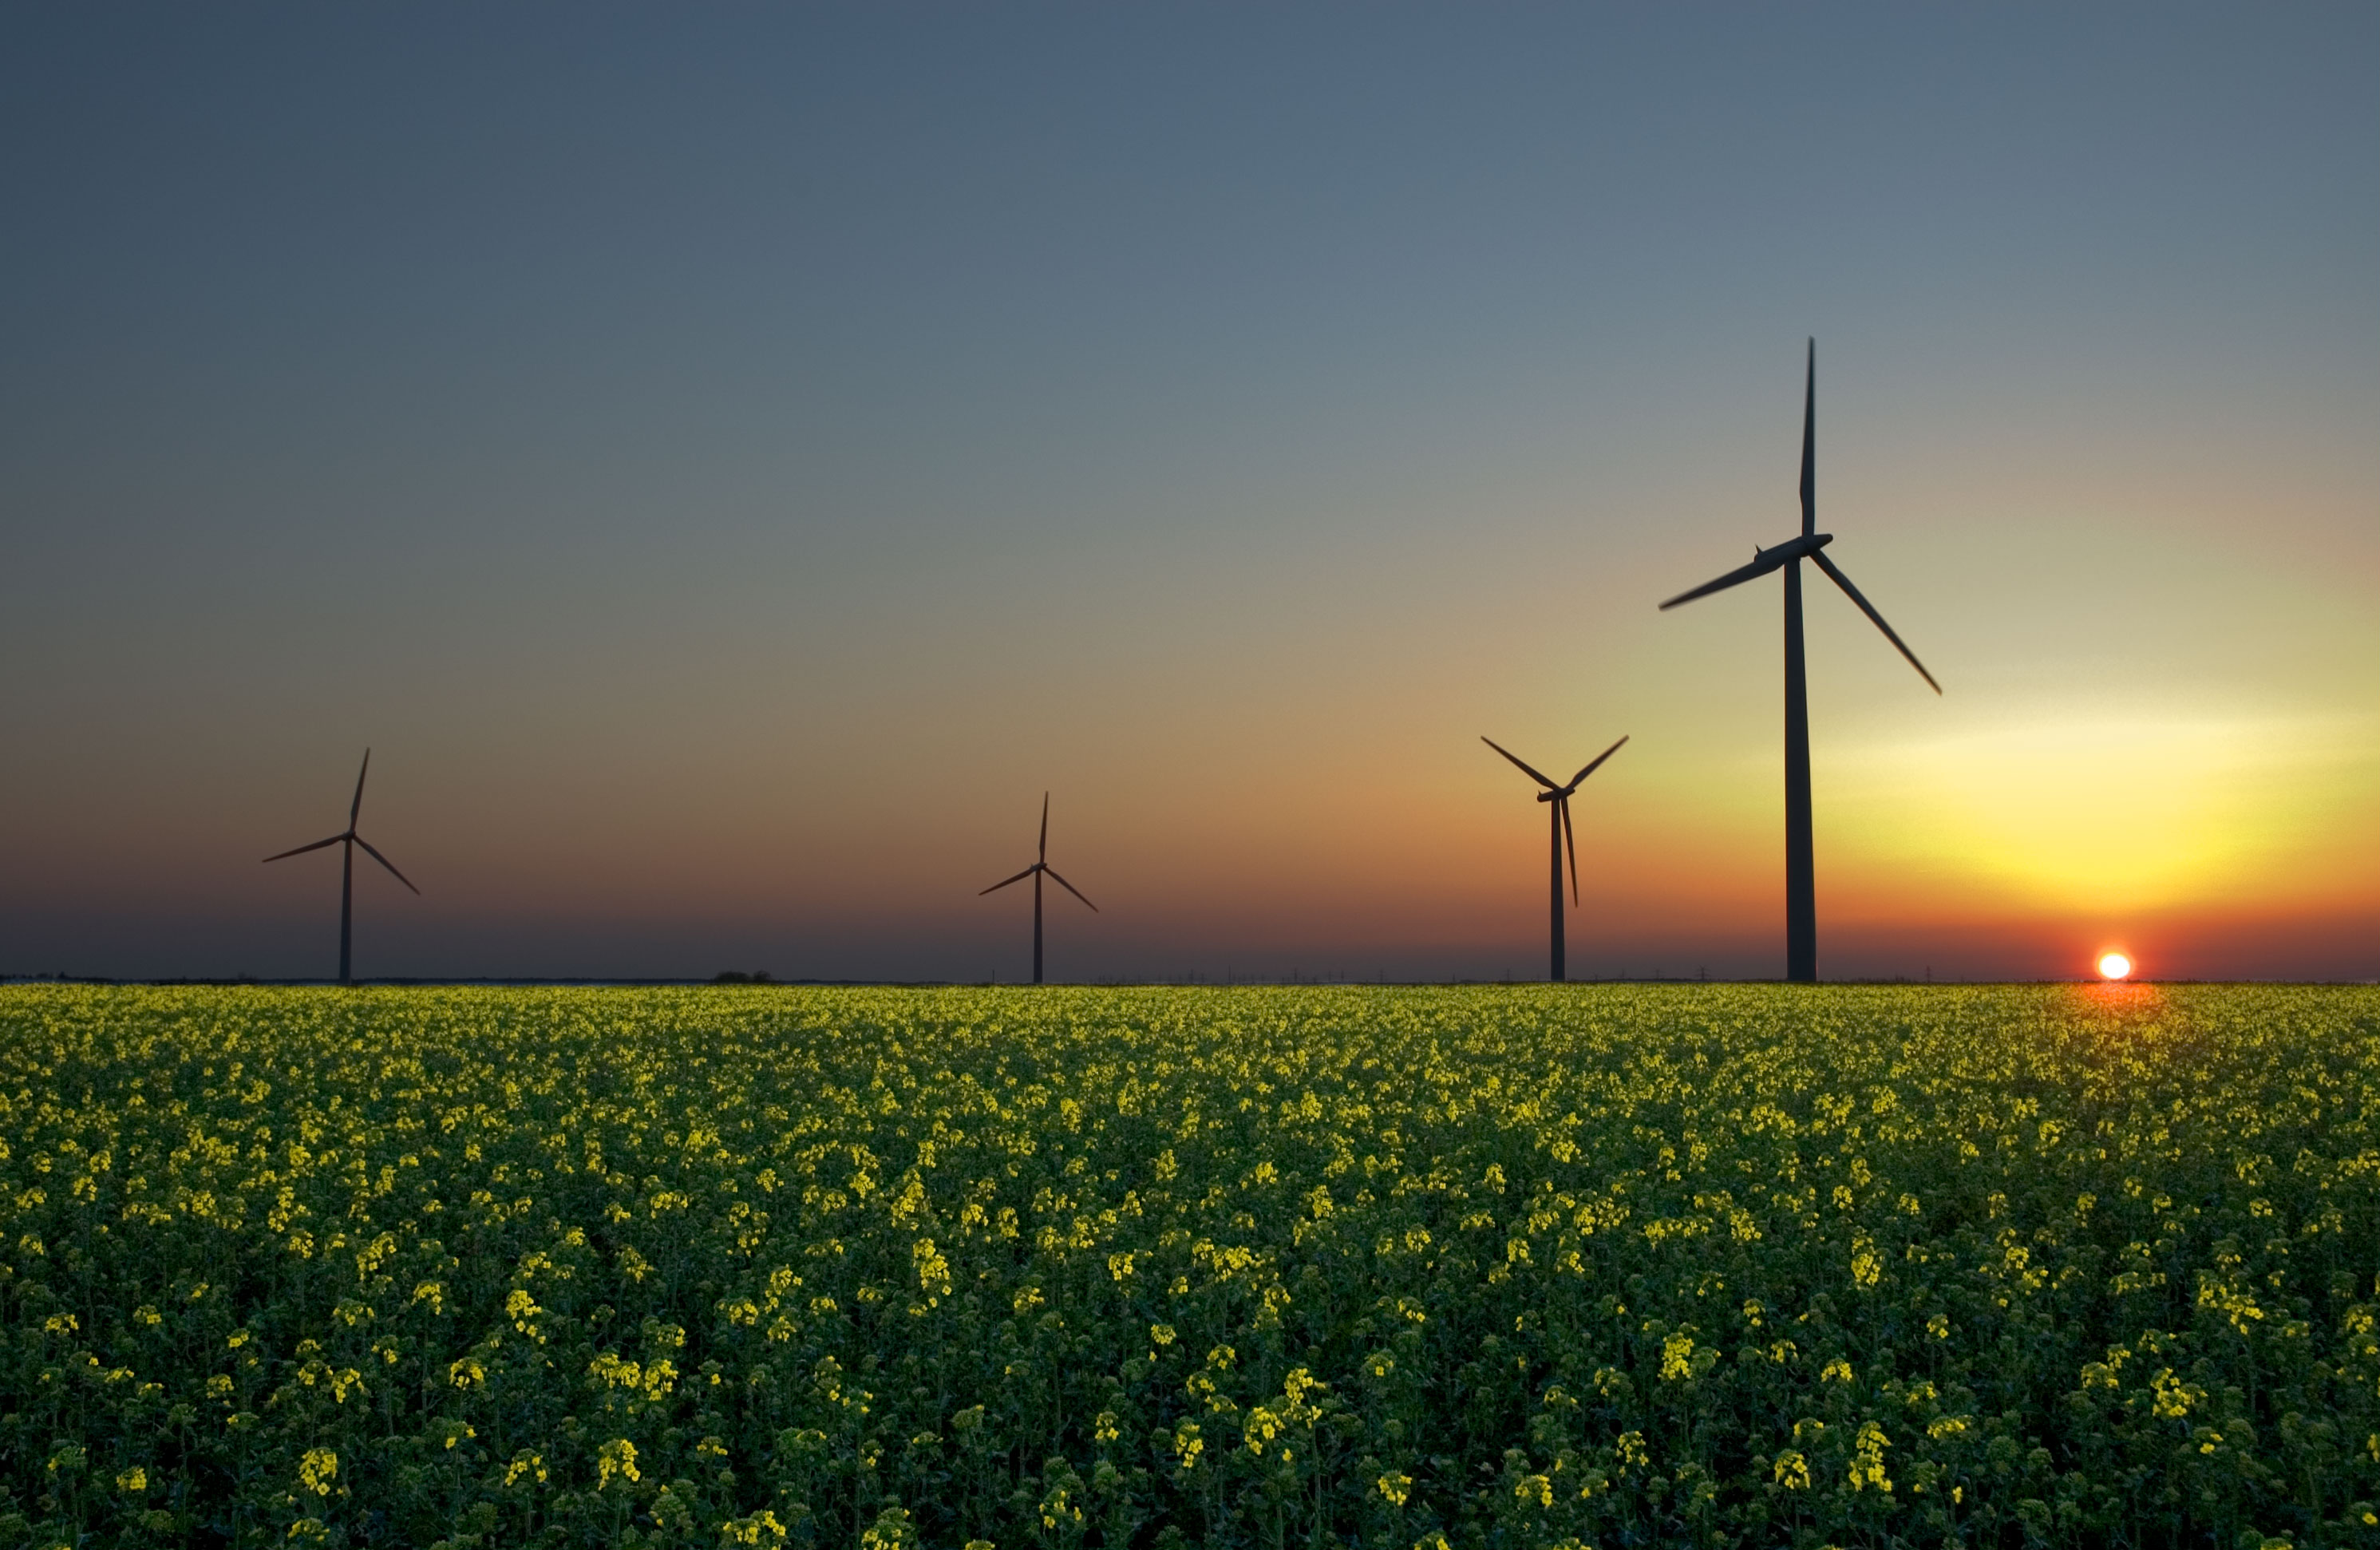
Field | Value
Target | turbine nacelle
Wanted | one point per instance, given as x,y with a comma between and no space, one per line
1794,548
1765,560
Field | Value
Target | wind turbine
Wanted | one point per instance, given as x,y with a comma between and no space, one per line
1040,866
1558,797
349,839
1800,888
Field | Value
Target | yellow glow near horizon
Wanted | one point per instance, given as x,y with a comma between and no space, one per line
2112,813
2114,966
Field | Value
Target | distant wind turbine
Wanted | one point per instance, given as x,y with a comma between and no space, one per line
349,839
1558,797
1040,866
1801,888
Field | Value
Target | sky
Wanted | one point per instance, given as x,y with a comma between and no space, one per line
727,463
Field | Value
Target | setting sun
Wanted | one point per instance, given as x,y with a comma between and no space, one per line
2114,966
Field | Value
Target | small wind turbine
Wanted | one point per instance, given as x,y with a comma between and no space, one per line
349,839
1801,888
1558,796
1040,866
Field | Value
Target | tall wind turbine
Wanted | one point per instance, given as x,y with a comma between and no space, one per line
348,839
1040,866
1558,798
1801,888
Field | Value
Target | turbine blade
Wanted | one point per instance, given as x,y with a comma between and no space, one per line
1071,889
1810,446
1570,843
1593,765
1043,854
385,861
1005,881
358,805
1869,608
1770,560
1517,759
303,849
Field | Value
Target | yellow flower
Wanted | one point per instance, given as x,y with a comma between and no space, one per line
1867,1460
618,1457
316,1470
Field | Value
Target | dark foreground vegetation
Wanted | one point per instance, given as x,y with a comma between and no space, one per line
1468,1267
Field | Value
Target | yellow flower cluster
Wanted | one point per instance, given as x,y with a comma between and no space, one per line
1540,1265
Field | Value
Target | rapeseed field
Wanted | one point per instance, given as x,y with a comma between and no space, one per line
1507,1266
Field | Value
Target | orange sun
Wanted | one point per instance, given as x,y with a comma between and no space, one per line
2114,966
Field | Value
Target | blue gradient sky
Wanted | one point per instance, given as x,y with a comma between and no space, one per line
729,463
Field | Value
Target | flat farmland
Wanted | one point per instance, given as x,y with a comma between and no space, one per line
1505,1266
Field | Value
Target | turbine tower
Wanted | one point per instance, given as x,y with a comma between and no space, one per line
1801,888
348,839
1040,866
1558,798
